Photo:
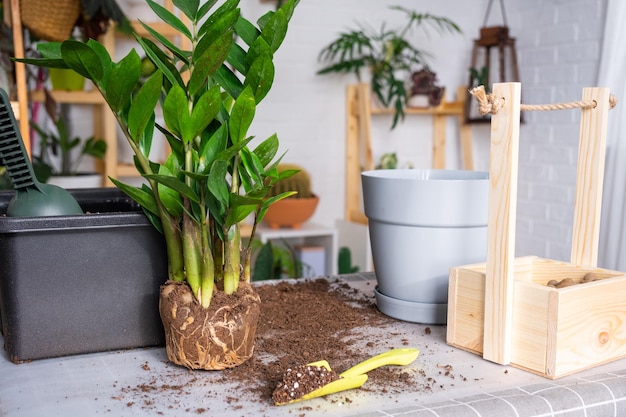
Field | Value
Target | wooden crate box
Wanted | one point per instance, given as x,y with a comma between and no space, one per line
503,309
556,332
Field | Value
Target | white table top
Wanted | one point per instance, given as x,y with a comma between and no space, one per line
141,382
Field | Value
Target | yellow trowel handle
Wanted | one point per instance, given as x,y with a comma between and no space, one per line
401,356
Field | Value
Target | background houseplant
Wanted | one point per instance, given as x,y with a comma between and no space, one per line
300,206
70,151
212,180
388,54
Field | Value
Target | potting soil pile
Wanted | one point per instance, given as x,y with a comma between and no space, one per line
302,321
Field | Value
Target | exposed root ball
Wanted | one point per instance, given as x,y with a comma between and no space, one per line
216,338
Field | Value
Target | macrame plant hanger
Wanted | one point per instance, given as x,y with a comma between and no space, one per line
494,42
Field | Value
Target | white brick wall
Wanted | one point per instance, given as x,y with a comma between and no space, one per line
558,43
308,111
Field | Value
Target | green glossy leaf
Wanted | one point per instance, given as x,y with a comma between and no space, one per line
250,171
176,111
176,145
204,111
141,110
212,147
205,8
260,77
259,48
266,150
82,59
144,198
50,50
175,184
275,29
237,58
228,6
188,7
241,115
170,198
229,81
229,153
236,214
224,24
166,42
145,140
162,61
217,185
246,30
169,18
121,80
102,52
210,62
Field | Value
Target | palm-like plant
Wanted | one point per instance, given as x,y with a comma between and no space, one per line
212,180
386,53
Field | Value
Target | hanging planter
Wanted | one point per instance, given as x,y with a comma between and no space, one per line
50,21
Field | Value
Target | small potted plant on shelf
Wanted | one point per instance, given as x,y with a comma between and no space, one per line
388,54
300,206
70,152
212,179
424,91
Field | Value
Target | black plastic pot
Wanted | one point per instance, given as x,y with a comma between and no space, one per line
80,284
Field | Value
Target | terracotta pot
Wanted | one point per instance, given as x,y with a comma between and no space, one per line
216,338
291,212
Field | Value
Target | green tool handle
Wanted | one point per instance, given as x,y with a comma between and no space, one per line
400,356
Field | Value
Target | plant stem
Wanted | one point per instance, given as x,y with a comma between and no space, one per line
208,264
192,250
170,227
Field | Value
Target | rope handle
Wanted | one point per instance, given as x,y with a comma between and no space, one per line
490,104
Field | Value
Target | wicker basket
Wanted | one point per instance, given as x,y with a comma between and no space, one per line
51,21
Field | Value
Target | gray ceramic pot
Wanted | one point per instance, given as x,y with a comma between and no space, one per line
421,223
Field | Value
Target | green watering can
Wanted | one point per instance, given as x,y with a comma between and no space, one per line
32,198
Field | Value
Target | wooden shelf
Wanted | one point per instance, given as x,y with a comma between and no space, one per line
72,97
105,125
359,154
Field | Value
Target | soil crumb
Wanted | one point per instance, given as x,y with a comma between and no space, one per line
301,321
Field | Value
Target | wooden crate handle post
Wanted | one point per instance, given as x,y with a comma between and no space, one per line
503,170
590,177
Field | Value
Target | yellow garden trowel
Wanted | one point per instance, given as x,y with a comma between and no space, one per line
357,375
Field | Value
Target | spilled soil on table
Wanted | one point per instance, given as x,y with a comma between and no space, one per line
301,322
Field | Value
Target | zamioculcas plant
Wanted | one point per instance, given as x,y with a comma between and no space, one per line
213,178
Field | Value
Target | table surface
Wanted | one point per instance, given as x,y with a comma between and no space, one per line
131,383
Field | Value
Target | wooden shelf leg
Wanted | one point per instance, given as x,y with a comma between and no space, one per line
439,142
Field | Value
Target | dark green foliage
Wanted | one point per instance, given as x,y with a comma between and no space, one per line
345,262
384,53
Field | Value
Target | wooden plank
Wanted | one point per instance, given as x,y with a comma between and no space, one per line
503,169
589,178
365,125
530,324
439,142
465,133
353,170
593,335
20,74
466,295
